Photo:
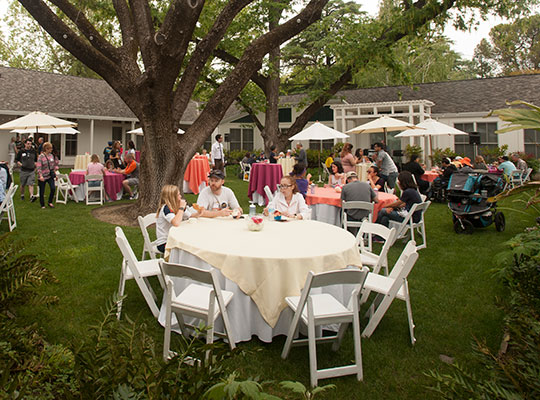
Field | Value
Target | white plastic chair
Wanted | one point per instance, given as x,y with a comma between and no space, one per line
7,208
198,301
326,171
269,193
324,309
64,189
390,287
369,258
355,205
149,246
409,225
90,189
387,188
138,270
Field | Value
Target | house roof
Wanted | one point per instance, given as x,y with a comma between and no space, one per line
23,91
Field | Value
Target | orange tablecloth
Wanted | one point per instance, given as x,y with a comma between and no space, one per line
430,176
331,197
197,172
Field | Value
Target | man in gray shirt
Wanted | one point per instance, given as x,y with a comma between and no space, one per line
389,170
354,190
301,158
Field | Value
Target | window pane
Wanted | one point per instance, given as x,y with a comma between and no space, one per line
247,135
235,135
71,145
531,136
328,144
533,149
492,136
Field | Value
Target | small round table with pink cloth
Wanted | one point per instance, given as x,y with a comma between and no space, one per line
326,204
112,183
261,175
196,175
430,176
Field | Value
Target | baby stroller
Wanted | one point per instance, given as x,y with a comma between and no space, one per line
438,190
468,195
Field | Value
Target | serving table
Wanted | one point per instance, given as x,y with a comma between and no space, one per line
261,175
82,161
326,204
261,268
196,175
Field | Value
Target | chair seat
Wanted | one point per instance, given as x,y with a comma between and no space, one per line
369,258
382,284
146,268
325,306
197,298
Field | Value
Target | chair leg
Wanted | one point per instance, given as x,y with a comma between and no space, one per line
339,337
312,349
357,341
152,293
168,317
409,312
376,317
293,329
121,288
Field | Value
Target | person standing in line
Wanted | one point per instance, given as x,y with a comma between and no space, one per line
389,171
26,160
40,145
218,157
301,158
12,152
47,165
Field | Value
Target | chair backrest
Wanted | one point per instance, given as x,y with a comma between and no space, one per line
269,193
8,198
325,169
527,174
404,264
387,188
11,192
144,223
187,271
127,252
93,178
370,228
355,205
62,179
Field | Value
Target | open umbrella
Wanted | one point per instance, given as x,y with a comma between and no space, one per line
383,124
321,132
36,120
140,132
48,131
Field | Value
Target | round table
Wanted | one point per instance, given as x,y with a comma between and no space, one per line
326,205
261,175
430,176
196,175
287,164
112,182
82,161
262,268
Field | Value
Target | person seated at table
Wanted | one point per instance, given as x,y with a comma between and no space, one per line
115,155
329,160
520,164
506,166
94,168
480,163
337,176
397,211
302,181
273,156
132,175
375,181
414,167
289,154
171,212
289,202
248,159
360,157
109,165
355,190
456,161
262,157
217,200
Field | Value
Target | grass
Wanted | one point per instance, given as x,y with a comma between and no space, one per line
452,291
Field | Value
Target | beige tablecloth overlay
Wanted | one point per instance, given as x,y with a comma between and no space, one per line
271,264
82,161
361,171
287,164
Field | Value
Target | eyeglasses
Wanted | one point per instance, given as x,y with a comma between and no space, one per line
285,186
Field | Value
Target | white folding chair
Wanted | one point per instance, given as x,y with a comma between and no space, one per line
526,175
7,208
408,224
91,189
369,258
390,287
269,193
149,246
324,309
138,270
355,205
325,170
198,301
387,188
64,189
246,170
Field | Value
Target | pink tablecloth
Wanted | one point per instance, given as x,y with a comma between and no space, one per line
137,156
331,197
263,174
111,181
430,176
197,172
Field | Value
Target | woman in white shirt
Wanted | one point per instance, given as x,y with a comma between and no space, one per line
170,213
289,202
337,176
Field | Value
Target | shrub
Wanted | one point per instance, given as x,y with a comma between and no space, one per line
413,150
531,161
439,154
492,154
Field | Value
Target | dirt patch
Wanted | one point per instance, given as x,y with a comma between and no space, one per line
117,214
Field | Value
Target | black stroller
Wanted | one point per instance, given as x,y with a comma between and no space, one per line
468,195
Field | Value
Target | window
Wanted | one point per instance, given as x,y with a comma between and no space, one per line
532,142
117,133
285,115
326,144
323,114
241,139
488,137
71,145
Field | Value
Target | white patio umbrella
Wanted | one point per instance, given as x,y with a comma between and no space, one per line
36,120
49,131
321,132
140,132
383,124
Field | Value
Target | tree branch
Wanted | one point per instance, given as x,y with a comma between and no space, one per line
129,43
144,29
257,78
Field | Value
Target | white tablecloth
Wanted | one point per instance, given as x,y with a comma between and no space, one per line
186,188
361,171
326,213
287,164
82,161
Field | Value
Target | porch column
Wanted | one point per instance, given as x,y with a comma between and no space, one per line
91,136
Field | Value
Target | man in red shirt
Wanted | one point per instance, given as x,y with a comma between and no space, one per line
132,175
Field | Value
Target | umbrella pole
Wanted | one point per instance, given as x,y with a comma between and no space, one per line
320,151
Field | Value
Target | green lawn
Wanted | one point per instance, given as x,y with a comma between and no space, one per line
452,289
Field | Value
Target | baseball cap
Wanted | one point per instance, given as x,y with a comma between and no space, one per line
351,174
216,173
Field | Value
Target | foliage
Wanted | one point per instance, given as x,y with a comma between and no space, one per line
531,160
413,150
439,154
527,117
313,157
492,154
511,374
338,147
235,156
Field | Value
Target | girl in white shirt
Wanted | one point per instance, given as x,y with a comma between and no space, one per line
170,213
289,202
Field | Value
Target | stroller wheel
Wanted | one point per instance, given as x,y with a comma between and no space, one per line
463,226
500,222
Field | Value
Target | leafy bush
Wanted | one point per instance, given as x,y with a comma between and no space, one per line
313,157
531,161
492,154
235,156
439,154
413,150
512,374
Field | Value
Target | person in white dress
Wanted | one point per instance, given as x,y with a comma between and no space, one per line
289,202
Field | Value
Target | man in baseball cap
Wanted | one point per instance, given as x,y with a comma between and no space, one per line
217,200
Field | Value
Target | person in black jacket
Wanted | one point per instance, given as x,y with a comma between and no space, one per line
26,159
416,169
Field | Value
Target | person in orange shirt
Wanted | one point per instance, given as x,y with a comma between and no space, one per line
132,175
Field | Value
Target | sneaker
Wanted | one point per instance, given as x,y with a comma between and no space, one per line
33,198
22,197
132,197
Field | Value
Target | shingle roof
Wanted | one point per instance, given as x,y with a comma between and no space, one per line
26,90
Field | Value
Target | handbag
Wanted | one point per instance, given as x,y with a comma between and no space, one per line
52,174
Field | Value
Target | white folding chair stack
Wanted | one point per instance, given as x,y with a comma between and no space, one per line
149,246
138,270
64,189
355,205
408,224
390,287
369,258
92,189
196,300
269,193
7,208
324,309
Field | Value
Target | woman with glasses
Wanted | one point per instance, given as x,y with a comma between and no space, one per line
289,202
